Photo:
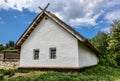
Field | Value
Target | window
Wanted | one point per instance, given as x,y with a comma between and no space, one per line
36,54
52,53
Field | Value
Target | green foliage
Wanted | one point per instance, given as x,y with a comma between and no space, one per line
2,48
8,46
117,59
2,71
20,78
96,73
108,44
12,71
114,42
9,72
22,71
109,60
1,77
100,42
103,73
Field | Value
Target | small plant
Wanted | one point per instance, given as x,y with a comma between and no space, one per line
9,72
22,71
1,71
1,77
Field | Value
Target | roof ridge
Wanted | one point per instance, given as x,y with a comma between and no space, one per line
62,24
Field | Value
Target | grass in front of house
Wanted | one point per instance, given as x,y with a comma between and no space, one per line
97,73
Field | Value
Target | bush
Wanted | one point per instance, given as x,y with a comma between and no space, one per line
22,71
1,71
100,70
97,73
9,72
118,59
1,77
109,60
54,76
20,78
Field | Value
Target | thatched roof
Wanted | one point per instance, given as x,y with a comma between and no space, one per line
69,29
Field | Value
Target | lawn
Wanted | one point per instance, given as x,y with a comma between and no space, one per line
96,73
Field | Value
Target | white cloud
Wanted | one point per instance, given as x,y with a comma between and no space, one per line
31,5
74,12
106,29
80,12
85,20
112,3
113,15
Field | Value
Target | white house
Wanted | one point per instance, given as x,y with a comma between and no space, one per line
50,43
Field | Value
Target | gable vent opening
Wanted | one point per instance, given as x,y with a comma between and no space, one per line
46,18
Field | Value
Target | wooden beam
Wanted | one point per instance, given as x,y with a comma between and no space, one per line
44,9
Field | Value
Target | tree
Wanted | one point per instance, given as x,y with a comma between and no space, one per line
114,42
10,44
1,47
109,44
100,42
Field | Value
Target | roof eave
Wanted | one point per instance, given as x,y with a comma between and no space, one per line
89,45
28,31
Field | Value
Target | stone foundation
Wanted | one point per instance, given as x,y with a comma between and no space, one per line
9,64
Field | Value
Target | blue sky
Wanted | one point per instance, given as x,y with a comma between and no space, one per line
88,17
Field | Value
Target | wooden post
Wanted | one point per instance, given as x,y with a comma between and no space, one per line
44,8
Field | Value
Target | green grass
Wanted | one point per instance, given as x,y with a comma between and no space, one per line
97,73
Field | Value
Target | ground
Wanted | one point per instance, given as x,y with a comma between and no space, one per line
97,73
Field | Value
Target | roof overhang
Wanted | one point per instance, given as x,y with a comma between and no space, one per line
69,29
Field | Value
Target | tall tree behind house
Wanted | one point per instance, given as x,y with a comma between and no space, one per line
114,42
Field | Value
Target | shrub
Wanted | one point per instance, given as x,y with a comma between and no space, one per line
100,70
54,76
22,71
9,72
118,59
19,78
1,77
109,60
1,71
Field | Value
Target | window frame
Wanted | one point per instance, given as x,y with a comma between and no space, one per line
53,52
36,56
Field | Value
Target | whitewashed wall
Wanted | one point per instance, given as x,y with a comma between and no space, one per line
49,34
86,56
